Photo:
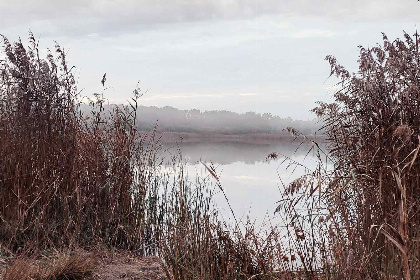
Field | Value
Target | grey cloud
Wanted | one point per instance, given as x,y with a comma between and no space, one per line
211,48
120,16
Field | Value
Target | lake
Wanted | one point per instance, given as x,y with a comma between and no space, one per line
253,184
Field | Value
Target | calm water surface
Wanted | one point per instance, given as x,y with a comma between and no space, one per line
252,183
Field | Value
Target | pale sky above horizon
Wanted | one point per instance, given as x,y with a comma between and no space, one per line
261,56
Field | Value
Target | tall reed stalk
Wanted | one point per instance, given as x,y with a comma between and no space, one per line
70,178
368,204
66,178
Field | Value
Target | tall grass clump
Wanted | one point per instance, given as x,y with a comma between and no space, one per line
60,265
366,208
76,176
196,244
66,178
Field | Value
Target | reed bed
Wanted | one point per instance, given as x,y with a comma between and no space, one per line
362,212
66,178
70,179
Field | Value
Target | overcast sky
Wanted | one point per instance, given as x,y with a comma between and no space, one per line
261,56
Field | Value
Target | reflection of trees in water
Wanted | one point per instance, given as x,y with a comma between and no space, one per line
229,152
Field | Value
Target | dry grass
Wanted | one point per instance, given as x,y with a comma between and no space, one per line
362,215
195,244
71,180
66,178
59,266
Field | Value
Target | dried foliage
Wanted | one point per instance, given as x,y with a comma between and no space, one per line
196,245
58,266
69,179
366,209
66,178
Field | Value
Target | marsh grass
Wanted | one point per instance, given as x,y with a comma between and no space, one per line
70,179
66,179
73,179
361,217
197,245
56,266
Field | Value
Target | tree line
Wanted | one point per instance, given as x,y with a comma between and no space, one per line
222,122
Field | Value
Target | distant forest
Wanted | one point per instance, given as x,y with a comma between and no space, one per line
169,119
221,122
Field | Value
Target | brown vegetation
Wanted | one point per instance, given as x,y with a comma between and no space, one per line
98,263
196,245
366,210
57,266
67,181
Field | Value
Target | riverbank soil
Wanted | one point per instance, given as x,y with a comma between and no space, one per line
130,268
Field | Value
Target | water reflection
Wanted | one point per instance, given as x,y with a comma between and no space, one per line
252,183
229,152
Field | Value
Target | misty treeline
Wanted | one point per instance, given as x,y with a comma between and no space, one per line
221,122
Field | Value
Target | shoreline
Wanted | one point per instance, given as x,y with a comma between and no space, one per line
166,137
